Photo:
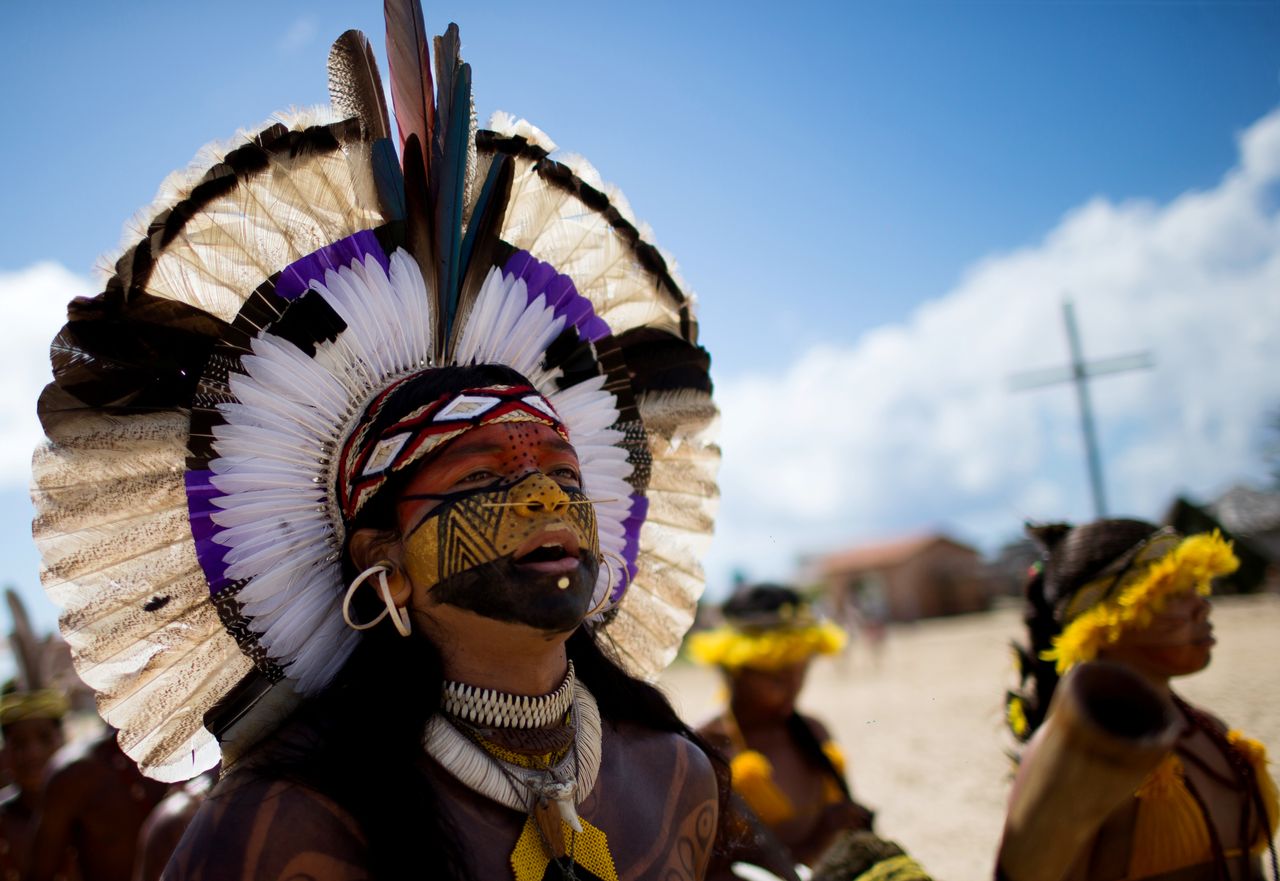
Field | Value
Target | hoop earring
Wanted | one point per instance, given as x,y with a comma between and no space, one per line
606,602
380,568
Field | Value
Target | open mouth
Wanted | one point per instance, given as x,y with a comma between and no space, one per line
551,552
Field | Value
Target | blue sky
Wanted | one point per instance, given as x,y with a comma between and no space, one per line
828,175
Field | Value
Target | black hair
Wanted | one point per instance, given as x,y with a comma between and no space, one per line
759,601
1071,558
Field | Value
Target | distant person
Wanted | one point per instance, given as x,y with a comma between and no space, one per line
875,625
1136,596
31,725
785,766
95,802
164,828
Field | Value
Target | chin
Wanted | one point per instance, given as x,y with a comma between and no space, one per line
503,591
1184,661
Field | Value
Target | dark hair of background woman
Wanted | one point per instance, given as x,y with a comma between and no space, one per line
1072,557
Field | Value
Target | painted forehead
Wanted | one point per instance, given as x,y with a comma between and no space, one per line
403,440
505,447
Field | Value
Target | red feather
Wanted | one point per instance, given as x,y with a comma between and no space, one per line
412,90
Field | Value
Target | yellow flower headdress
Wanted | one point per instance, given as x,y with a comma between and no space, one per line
1117,601
790,640
20,706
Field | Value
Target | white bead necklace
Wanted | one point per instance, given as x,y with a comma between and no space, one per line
566,784
497,709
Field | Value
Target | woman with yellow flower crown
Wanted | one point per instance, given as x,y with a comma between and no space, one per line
784,765
1119,608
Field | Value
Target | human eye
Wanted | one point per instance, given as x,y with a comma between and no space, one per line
478,477
566,475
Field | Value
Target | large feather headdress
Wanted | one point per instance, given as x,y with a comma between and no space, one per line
186,501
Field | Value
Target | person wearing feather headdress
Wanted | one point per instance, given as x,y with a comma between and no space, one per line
381,477
1120,608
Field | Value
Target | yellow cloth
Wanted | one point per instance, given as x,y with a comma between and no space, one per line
19,706
899,868
835,756
752,775
511,757
1170,832
831,790
588,848
1256,753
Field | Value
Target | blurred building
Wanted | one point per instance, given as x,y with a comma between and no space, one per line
1010,568
1248,516
925,576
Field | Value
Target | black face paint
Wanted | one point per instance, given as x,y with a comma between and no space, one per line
504,591
464,552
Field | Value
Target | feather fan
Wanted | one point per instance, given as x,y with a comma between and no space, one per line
185,499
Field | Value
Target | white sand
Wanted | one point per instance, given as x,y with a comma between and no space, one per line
924,730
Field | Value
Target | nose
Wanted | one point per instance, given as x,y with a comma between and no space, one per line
539,494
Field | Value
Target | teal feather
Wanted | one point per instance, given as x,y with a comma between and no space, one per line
481,246
451,180
389,179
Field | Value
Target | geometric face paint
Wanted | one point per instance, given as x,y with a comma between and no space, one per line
504,551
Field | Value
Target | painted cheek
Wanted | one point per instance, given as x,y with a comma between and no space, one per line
422,557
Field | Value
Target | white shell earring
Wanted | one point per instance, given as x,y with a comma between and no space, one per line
399,617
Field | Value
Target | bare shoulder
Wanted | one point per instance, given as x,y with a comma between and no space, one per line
676,755
255,828
1215,721
819,730
672,807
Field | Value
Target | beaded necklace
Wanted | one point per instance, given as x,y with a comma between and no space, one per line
546,786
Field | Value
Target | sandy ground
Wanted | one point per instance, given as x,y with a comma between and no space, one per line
923,727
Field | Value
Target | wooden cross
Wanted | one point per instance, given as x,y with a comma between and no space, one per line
1079,373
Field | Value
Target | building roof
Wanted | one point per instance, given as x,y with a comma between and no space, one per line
1243,510
884,554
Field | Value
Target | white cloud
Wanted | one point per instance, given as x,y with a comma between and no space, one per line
34,304
913,426
300,34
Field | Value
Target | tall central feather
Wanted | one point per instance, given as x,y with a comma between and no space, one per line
435,150
413,94
412,91
451,178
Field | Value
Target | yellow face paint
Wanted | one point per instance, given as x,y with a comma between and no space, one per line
483,527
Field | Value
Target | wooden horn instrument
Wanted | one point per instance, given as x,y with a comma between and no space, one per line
1106,730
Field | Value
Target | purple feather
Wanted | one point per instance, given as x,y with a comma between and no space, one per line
562,296
631,541
201,496
296,278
